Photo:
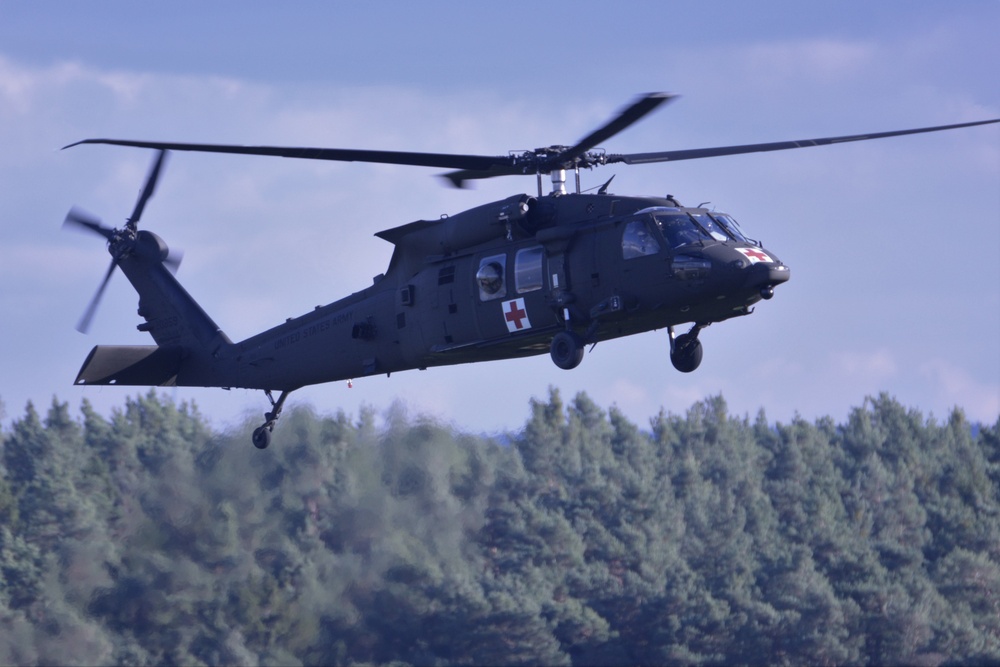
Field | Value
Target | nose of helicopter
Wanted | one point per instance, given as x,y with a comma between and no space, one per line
763,270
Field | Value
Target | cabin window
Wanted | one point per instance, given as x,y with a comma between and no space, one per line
491,277
528,269
638,240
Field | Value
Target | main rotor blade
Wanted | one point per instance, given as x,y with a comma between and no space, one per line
458,178
696,153
626,117
496,165
81,218
441,160
84,324
148,189
642,106
483,166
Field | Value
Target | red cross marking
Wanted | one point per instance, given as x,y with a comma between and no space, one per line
515,315
755,254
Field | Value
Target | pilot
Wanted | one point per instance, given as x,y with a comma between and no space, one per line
679,232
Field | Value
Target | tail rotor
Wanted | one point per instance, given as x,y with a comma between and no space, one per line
122,242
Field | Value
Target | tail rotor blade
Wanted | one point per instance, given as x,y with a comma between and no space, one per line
127,237
79,218
84,324
173,260
148,189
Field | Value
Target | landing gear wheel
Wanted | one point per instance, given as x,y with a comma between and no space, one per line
262,434
261,437
566,350
686,353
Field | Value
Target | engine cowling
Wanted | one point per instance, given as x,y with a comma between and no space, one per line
509,217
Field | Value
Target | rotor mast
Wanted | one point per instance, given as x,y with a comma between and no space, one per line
558,178
559,182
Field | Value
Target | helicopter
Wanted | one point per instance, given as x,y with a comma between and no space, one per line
522,276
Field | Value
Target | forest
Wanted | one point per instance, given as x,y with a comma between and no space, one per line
580,538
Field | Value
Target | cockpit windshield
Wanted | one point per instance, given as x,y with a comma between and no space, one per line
679,229
718,232
682,227
731,226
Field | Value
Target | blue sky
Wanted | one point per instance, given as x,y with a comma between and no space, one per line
894,245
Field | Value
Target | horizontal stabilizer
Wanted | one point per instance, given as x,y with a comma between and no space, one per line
141,365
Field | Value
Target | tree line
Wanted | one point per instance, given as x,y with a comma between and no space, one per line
147,537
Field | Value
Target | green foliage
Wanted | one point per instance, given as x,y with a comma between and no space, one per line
581,539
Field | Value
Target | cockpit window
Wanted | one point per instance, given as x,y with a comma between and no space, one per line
716,230
731,226
679,229
638,240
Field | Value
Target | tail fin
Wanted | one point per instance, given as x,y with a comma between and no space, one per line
171,316
190,348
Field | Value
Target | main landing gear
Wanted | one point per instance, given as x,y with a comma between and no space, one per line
567,349
262,434
685,350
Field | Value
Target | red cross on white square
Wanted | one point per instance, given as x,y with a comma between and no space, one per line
755,255
516,316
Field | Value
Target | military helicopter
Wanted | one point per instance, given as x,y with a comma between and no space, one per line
523,276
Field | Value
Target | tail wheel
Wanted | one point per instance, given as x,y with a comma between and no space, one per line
262,434
261,437
567,350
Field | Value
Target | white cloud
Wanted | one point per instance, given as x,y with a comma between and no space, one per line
954,386
866,368
821,60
